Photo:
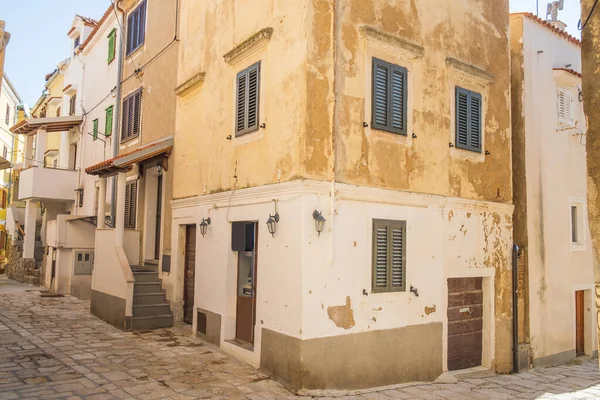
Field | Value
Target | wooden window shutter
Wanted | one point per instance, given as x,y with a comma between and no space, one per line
72,104
136,28
7,120
389,97
389,256
125,119
95,129
129,33
109,122
468,120
248,100
112,45
137,105
132,106
130,204
142,23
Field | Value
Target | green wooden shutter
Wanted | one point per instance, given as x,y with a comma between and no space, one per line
247,100
95,129
468,120
109,122
112,45
389,97
389,256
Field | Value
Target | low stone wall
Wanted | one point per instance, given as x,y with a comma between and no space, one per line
18,268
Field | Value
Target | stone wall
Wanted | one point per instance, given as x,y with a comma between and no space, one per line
20,269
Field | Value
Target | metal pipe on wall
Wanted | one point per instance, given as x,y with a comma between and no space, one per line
515,305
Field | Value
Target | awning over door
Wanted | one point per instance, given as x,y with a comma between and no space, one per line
125,161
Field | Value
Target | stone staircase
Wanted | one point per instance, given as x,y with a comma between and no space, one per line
150,307
24,270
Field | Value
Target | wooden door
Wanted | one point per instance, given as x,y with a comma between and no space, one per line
246,290
465,323
579,326
189,273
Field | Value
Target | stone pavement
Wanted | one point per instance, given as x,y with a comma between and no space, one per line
52,348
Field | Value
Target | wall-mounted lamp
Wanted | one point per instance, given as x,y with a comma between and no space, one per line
272,223
204,225
319,221
159,168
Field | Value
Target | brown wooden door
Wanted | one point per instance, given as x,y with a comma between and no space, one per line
246,292
465,323
189,274
579,329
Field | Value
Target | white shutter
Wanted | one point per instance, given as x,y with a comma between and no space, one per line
565,106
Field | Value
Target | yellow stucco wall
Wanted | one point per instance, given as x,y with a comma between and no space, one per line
312,105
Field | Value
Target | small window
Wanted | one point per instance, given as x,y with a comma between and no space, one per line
564,104
130,126
80,197
76,43
468,120
130,204
112,39
95,129
7,119
79,257
574,225
136,28
247,100
389,256
87,256
5,152
389,94
109,122
58,112
72,104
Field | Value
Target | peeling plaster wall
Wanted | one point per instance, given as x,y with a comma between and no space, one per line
551,167
473,32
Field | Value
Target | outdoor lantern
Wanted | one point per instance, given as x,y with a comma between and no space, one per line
204,225
272,223
159,168
319,221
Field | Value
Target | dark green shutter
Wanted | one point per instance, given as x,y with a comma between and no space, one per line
109,121
389,256
389,96
468,120
95,129
247,100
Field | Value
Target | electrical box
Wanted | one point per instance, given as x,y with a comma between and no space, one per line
84,263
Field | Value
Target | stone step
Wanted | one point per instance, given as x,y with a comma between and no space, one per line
145,276
151,310
154,322
35,272
32,280
148,298
147,287
143,268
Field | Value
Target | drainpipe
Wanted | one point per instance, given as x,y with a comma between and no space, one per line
515,304
117,124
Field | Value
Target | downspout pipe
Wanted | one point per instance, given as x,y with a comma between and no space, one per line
117,124
515,307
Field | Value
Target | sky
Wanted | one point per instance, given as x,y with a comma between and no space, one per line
39,35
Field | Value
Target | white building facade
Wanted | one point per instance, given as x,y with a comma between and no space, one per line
557,313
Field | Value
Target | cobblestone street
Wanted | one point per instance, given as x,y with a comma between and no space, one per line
52,348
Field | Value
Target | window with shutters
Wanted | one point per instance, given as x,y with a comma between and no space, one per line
7,119
109,122
130,204
468,109
72,104
130,121
389,96
564,104
136,28
5,152
95,129
76,43
112,40
247,100
389,256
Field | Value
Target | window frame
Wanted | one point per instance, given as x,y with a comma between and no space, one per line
130,45
388,127
389,224
246,73
470,95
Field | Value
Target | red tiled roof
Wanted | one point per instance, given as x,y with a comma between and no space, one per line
570,71
87,20
97,28
67,88
549,26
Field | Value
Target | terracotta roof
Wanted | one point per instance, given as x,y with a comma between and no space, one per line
67,88
87,20
97,28
549,26
125,161
48,76
570,71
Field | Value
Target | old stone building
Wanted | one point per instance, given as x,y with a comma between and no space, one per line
342,189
